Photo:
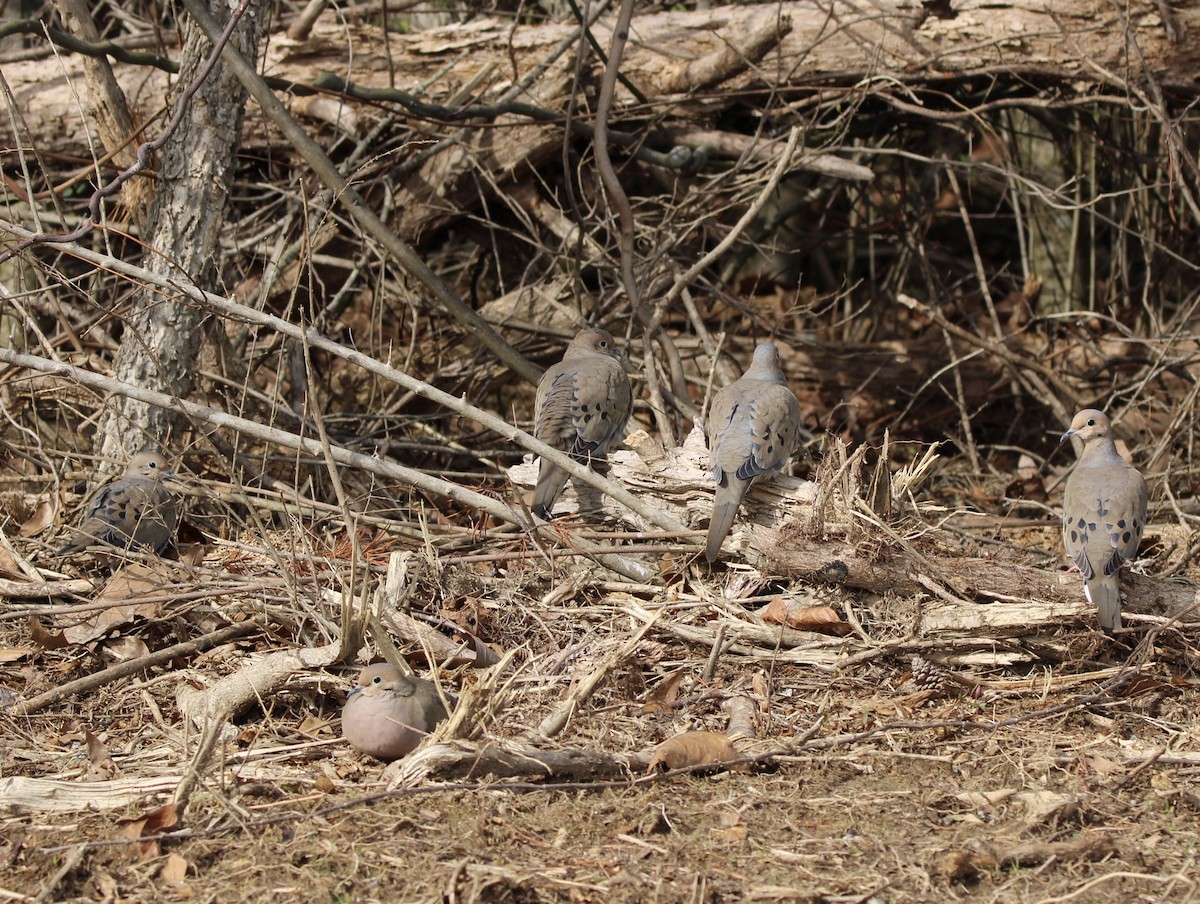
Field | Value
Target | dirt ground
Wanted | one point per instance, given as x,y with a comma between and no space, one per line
1037,784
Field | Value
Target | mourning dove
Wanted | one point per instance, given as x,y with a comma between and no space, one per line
752,429
133,510
582,405
1104,514
389,713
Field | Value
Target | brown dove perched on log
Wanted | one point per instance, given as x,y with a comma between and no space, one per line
582,405
135,510
389,713
1104,514
752,429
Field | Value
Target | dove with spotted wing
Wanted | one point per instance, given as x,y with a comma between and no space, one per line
135,510
753,428
1104,514
389,713
582,405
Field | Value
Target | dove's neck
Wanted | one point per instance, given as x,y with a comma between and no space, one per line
766,375
1101,450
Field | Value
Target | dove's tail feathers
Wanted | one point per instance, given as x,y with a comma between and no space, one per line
1106,597
77,544
551,481
90,533
725,506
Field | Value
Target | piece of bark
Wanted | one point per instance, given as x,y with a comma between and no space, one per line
502,760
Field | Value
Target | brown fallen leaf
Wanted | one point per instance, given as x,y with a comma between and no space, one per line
734,834
1145,684
193,554
174,870
45,639
469,613
14,654
314,726
693,748
1103,766
819,619
42,517
122,649
660,699
101,767
122,589
9,566
157,821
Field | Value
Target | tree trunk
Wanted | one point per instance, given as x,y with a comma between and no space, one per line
162,336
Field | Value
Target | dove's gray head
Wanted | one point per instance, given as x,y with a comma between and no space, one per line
382,678
593,341
151,465
766,364
1088,425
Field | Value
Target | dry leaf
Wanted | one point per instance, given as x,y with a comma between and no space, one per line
157,821
101,767
324,784
312,726
193,555
962,865
776,612
820,619
661,698
174,871
42,518
823,619
1161,781
469,613
1046,806
123,588
43,638
1144,684
13,654
1028,468
732,833
125,648
9,565
1103,766
692,748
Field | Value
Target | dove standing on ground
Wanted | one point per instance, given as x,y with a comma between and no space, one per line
582,405
389,713
135,510
752,429
1104,514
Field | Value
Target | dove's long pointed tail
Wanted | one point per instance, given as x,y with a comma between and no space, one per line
551,481
1106,597
725,506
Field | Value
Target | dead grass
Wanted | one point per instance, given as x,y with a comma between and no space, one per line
911,790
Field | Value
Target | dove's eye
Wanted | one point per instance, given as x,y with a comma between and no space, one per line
378,679
1091,422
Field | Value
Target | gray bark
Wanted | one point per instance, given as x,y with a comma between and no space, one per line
162,336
